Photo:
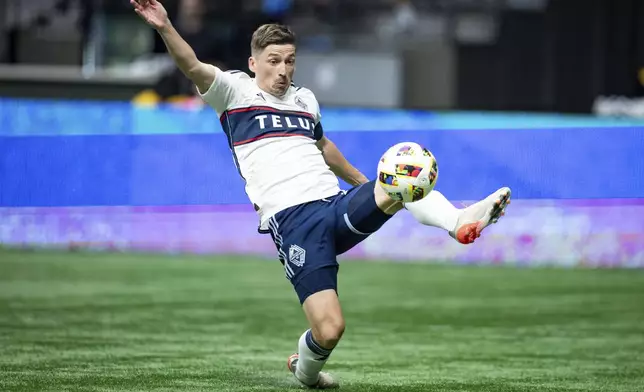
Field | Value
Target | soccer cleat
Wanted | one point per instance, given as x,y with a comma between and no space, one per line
478,216
325,380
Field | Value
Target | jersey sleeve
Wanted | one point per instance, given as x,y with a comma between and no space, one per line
318,131
226,91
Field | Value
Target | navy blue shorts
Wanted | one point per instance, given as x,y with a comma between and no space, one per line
309,236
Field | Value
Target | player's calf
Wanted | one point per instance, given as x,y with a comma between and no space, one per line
435,210
327,332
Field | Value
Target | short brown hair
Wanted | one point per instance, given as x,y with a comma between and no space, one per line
271,34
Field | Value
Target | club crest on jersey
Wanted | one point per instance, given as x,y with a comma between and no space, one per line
300,102
296,255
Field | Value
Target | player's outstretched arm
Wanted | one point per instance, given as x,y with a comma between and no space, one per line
154,14
339,164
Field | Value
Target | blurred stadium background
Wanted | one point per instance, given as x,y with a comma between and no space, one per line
104,147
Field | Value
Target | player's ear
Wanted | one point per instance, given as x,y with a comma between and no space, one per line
251,64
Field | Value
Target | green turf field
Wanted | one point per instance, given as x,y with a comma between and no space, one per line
93,322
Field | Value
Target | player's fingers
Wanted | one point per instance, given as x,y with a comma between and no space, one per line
136,5
141,15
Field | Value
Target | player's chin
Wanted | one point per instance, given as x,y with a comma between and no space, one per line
280,89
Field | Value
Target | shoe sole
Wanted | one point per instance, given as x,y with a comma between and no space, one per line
470,232
497,211
291,363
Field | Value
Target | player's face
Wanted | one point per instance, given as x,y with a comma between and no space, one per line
274,68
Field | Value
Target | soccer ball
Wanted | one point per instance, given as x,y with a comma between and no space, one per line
407,172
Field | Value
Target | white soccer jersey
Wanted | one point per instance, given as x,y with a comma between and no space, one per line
272,140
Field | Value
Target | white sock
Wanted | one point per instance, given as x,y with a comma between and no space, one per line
435,210
311,359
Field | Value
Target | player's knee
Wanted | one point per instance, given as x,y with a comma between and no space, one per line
384,202
329,331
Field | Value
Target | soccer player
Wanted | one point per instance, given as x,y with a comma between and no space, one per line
291,172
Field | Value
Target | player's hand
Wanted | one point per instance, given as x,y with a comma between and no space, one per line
152,12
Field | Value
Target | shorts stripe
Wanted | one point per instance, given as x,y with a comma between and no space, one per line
350,226
279,242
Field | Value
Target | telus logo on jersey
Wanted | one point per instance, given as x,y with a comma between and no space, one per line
246,125
277,121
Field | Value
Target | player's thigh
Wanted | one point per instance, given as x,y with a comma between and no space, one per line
359,215
306,246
